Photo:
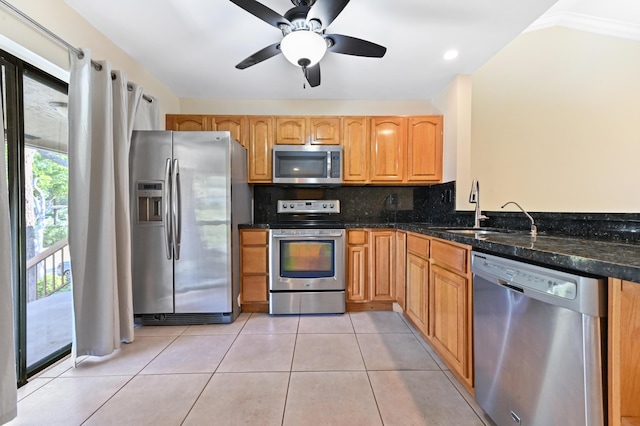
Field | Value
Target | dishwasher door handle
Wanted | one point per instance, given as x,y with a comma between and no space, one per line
506,284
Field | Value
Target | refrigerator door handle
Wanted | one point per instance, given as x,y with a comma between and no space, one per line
165,206
177,209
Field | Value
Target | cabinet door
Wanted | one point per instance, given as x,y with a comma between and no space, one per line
623,348
259,149
189,123
417,281
254,268
383,266
236,125
388,149
291,130
357,273
401,268
355,150
448,317
325,130
424,149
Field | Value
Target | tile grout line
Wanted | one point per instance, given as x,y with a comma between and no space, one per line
366,370
286,395
214,371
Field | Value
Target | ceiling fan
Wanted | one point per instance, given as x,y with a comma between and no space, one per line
304,41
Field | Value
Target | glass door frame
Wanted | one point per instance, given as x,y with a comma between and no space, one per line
15,70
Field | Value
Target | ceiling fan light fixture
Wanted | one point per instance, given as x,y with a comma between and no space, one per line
303,48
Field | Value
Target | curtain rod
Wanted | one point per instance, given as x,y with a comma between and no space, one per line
51,35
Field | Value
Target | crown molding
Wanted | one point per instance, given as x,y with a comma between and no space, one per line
578,21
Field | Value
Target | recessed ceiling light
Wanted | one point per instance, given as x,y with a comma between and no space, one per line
450,54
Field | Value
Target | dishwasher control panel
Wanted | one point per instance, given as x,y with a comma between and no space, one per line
525,276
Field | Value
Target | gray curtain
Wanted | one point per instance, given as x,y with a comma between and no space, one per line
101,115
8,390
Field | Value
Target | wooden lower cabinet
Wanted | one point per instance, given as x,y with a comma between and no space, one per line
623,350
447,316
371,278
383,267
451,307
401,268
417,281
439,300
254,270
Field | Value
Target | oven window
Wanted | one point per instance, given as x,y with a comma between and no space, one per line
307,259
294,165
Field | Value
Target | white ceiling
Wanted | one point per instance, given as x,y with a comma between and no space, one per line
192,46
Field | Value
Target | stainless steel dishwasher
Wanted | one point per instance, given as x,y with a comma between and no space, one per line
539,344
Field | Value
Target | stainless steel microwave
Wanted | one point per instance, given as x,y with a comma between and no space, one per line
307,164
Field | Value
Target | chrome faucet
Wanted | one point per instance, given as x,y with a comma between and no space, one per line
474,197
534,228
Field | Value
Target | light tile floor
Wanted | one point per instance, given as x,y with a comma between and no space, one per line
361,368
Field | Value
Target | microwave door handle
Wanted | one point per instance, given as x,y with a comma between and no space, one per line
329,163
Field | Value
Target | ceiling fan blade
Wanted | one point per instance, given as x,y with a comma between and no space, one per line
355,46
263,12
312,74
260,56
326,11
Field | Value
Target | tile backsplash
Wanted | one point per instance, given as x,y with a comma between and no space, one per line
364,204
435,205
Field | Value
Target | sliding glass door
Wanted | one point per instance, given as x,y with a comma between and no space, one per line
35,108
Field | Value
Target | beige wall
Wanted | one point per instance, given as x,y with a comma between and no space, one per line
454,103
304,107
556,124
59,18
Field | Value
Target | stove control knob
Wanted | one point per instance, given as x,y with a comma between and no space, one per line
284,206
291,205
331,205
324,206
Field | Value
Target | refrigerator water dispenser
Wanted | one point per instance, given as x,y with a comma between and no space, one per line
149,195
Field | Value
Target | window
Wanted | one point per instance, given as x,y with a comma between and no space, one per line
35,108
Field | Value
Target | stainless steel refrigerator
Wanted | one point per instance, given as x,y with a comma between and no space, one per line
188,193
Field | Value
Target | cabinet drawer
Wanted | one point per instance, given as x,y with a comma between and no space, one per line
357,237
449,255
254,288
418,245
254,260
255,238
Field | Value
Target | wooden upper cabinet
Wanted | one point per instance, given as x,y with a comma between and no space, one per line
424,149
259,147
308,130
236,125
291,130
324,130
189,123
388,149
355,150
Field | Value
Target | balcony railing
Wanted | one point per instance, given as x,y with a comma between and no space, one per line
49,271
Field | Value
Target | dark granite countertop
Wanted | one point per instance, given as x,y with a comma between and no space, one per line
593,257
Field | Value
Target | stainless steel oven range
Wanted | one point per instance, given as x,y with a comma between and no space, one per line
307,258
